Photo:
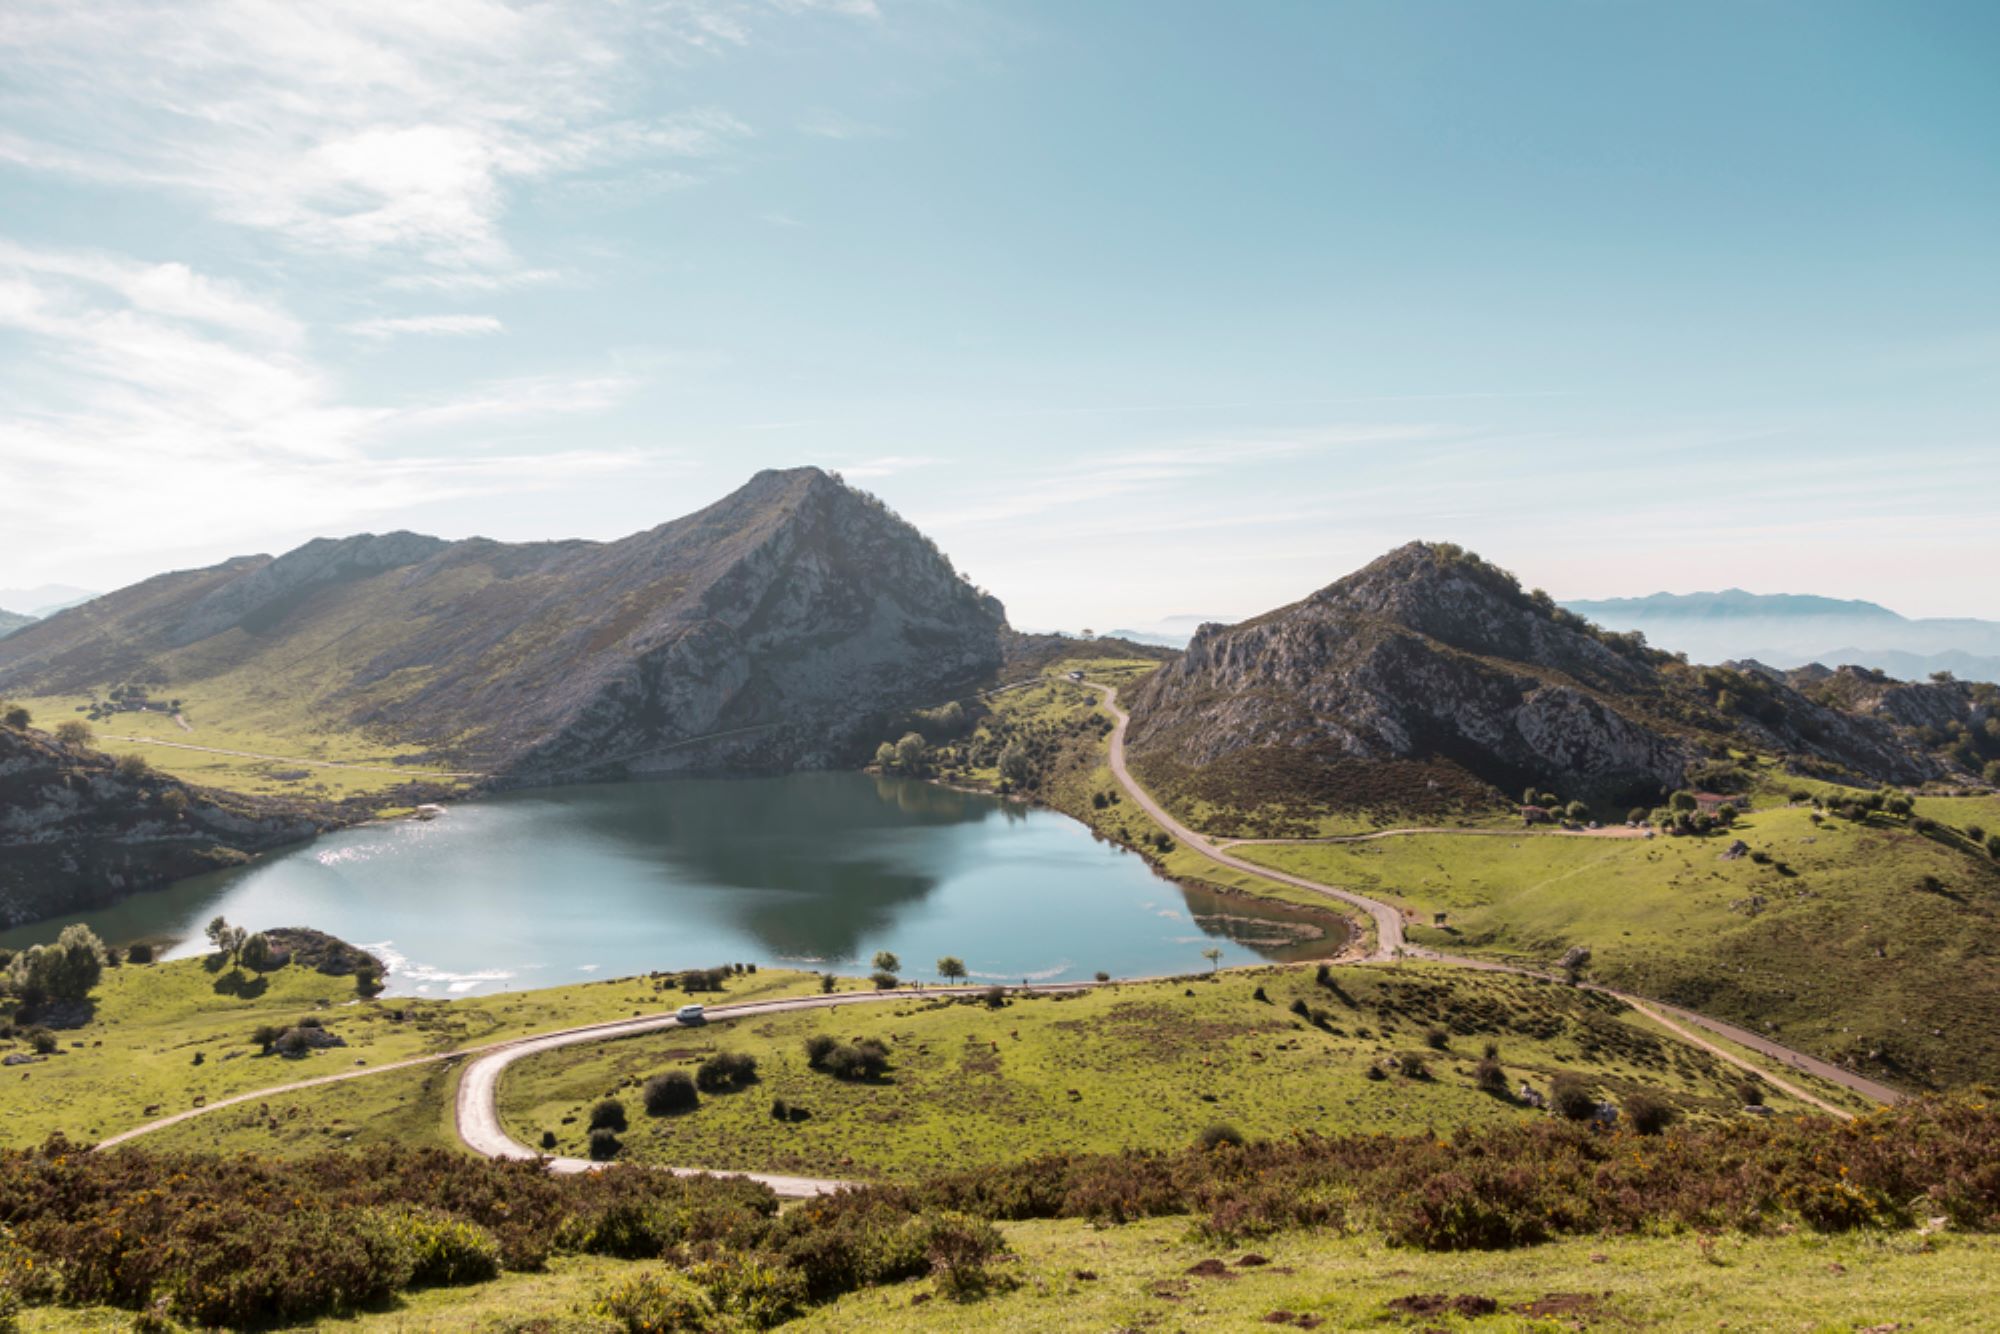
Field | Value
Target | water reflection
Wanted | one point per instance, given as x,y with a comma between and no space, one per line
534,888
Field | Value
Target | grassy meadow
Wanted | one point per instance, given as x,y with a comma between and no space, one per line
163,1035
1136,1064
1870,942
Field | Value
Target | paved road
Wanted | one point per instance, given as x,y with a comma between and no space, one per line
1390,944
476,1113
1615,831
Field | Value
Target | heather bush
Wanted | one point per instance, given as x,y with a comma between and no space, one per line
608,1115
604,1144
660,1300
444,1251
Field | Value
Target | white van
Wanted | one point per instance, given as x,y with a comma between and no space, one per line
691,1014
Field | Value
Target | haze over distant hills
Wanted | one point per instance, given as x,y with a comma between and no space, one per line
43,599
1791,630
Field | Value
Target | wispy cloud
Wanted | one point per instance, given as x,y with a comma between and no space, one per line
452,326
152,394
357,128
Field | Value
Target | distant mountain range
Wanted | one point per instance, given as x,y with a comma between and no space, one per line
771,630
1791,630
44,599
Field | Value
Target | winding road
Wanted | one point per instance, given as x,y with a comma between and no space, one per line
1390,945
476,1115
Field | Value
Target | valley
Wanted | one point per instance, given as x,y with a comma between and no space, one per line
1420,854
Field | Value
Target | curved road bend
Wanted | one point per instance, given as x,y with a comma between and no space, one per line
1390,944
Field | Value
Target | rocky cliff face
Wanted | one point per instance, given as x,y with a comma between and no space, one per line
1425,655
772,630
77,831
1434,658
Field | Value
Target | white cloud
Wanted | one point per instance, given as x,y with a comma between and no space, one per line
451,326
358,128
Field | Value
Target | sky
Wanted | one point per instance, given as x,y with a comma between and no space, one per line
1141,310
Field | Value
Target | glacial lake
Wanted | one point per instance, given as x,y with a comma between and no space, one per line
556,885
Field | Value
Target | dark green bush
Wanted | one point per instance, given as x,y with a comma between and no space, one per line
725,1072
608,1115
1220,1133
1572,1099
670,1093
604,1144
1649,1113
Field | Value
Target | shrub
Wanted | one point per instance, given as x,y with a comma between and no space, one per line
604,1144
780,1110
1751,1092
1572,1099
825,983
995,997
883,981
1103,976
1216,1135
444,1250
958,1247
1437,1039
42,1041
818,1047
659,1300
608,1115
1414,1067
548,1139
141,953
1302,1010
1491,1078
862,1060
1648,1113
670,1093
726,1071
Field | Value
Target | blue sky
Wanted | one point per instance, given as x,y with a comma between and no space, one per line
1140,309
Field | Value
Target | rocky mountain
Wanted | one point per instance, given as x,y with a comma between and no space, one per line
1791,630
78,830
10,621
770,630
1430,679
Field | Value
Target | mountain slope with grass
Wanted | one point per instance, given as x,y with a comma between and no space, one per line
783,617
10,621
1431,683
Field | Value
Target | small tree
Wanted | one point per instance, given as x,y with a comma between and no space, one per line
1214,956
885,757
75,733
1015,764
951,968
911,753
175,802
64,971
132,768
1682,801
886,962
257,954
1577,812
17,717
